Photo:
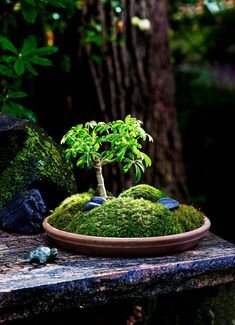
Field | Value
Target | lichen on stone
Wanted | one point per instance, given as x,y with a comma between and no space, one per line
32,160
144,191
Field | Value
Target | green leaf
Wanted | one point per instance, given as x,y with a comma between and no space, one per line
21,111
30,68
41,61
4,70
45,50
137,174
29,13
81,161
127,166
68,155
7,45
6,108
147,160
30,43
17,94
89,162
19,67
139,163
121,154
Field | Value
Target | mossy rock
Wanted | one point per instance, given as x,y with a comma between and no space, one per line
144,191
29,158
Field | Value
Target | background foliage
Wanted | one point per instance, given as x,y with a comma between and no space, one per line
203,55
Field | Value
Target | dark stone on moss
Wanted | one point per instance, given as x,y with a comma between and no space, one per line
90,205
24,214
29,158
169,203
98,199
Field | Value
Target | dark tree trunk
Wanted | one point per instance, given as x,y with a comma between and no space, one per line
132,76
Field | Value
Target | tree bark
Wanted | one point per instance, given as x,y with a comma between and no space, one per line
133,77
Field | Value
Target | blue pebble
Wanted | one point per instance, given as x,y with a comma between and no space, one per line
98,199
90,205
169,203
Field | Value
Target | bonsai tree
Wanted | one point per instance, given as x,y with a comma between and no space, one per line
97,144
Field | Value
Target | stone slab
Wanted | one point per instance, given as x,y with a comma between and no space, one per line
76,281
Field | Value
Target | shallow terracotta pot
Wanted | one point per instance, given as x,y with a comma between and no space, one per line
126,247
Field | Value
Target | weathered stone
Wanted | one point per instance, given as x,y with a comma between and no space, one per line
24,214
29,158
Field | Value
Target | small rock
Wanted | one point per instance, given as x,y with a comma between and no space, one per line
98,199
42,255
90,205
169,203
24,214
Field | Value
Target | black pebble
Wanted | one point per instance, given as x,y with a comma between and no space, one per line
90,205
98,199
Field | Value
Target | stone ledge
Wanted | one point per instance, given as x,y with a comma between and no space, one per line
81,281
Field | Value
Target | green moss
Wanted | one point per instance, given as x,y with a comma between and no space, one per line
126,217
37,159
189,217
69,209
144,191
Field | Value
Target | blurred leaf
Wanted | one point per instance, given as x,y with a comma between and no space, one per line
41,61
21,111
17,94
29,12
46,50
7,45
19,67
4,70
30,68
30,43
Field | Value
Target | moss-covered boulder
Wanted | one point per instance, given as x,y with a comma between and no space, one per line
144,191
29,158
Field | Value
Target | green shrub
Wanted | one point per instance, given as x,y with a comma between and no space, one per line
144,191
189,217
126,217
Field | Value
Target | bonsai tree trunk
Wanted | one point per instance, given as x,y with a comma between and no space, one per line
126,69
100,178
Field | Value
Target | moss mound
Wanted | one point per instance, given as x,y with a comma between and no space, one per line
189,217
144,191
126,217
69,209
